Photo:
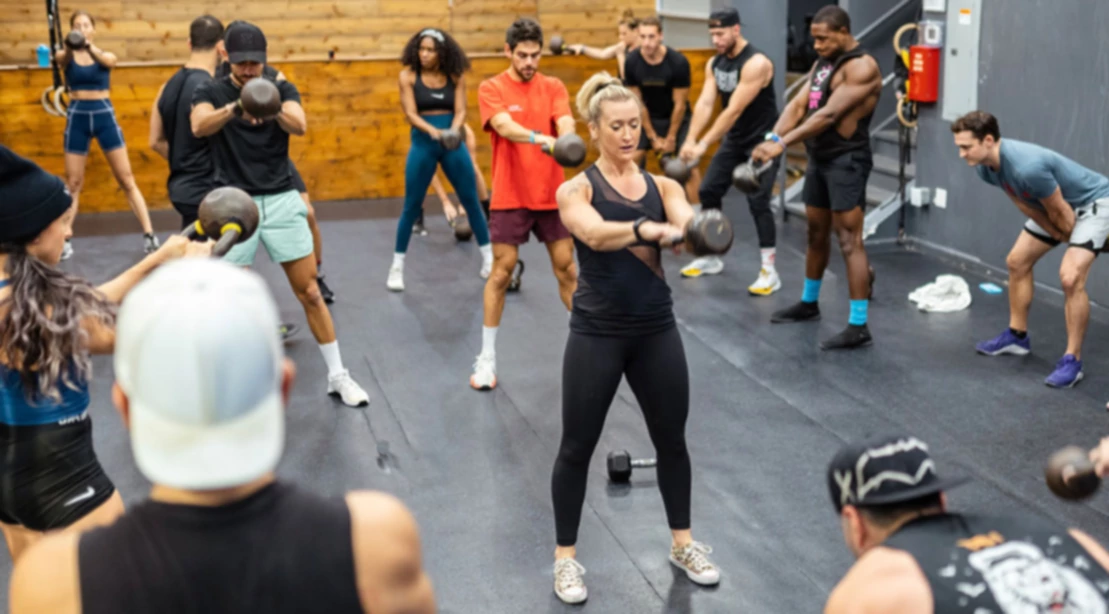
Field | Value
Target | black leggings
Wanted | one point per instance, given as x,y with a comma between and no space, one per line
718,179
591,371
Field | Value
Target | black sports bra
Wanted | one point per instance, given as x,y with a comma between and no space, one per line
427,99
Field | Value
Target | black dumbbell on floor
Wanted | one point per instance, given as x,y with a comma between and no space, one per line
620,465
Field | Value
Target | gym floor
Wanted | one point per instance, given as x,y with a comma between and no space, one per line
768,411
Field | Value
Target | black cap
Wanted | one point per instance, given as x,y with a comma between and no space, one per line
30,198
883,470
245,42
724,18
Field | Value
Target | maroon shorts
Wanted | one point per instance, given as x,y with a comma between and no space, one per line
512,226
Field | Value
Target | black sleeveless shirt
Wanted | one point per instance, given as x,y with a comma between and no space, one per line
759,117
622,293
829,144
1003,565
190,160
428,99
280,550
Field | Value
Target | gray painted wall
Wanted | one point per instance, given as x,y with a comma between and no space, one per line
1044,72
766,25
864,12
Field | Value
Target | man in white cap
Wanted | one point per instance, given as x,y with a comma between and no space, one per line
201,384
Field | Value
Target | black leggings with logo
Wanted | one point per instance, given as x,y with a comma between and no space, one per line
659,377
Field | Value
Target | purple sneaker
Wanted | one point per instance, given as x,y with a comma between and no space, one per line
1067,373
1005,343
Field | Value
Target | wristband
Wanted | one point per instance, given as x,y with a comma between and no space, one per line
770,136
635,228
532,136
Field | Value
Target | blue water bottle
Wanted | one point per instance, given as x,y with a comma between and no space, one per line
44,56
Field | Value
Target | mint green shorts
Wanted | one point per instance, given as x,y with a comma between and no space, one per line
282,228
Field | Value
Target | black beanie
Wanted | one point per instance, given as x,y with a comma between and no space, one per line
30,198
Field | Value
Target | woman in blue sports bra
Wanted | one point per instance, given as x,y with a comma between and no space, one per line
50,323
87,78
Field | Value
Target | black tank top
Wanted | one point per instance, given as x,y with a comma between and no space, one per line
280,550
190,161
760,116
622,293
427,99
1003,565
829,144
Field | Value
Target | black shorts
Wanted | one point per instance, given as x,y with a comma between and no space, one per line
298,182
838,184
51,477
662,128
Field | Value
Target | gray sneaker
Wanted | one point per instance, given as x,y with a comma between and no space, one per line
569,585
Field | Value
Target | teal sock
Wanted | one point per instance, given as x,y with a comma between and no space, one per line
858,312
812,290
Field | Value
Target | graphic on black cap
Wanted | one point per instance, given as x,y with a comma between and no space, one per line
854,483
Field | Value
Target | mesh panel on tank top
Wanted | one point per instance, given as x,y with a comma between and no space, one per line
650,255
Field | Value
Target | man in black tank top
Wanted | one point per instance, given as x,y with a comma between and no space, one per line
832,117
202,384
915,557
171,134
744,78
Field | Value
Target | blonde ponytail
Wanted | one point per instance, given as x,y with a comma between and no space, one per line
601,87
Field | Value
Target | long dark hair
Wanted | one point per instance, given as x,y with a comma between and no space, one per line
452,59
42,336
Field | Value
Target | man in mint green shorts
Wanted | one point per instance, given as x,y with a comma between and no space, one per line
252,153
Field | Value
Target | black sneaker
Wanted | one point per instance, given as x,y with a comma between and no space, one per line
852,337
800,312
288,329
418,228
328,295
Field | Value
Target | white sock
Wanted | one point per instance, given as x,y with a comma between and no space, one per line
486,252
332,358
398,260
489,340
768,258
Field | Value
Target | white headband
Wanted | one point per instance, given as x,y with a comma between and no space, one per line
433,33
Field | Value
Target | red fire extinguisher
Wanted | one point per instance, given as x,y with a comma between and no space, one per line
924,73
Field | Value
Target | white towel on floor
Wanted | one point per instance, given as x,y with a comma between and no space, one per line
947,293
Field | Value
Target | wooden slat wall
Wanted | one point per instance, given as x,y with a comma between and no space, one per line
357,139
140,30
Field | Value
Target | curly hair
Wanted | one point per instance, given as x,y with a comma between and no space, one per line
42,335
452,59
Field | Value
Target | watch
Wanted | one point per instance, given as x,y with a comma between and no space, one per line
770,136
635,228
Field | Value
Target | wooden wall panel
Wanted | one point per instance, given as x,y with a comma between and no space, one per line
357,140
138,30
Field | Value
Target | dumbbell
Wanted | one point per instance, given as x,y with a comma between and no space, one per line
450,139
517,274
708,233
620,465
462,229
747,178
75,40
569,150
676,168
1070,474
228,215
260,98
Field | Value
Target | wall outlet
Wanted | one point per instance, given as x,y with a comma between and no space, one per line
918,197
940,199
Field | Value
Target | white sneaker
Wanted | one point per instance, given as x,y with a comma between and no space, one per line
396,279
67,251
768,283
692,559
485,373
569,585
707,265
349,392
486,269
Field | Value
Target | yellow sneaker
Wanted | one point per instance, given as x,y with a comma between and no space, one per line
708,265
768,283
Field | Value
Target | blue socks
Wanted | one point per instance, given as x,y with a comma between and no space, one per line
858,312
812,290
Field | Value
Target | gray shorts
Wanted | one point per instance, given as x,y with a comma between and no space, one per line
1091,227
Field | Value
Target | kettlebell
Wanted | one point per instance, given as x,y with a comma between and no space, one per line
676,168
747,178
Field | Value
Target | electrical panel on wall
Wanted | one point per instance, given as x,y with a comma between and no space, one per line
960,59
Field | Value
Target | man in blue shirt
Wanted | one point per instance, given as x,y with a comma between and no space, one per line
1064,202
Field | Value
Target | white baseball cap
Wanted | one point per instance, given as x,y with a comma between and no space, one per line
199,356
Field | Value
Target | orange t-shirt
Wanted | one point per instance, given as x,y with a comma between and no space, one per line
523,176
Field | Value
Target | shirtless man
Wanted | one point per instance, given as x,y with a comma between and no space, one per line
832,117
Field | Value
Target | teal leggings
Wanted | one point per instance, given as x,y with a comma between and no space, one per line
423,159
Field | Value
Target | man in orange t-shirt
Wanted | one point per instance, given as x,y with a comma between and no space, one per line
522,110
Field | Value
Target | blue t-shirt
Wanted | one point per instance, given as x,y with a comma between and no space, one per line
1030,172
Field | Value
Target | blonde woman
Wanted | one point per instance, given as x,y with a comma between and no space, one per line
622,325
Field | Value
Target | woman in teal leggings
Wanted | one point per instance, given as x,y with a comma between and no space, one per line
433,95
